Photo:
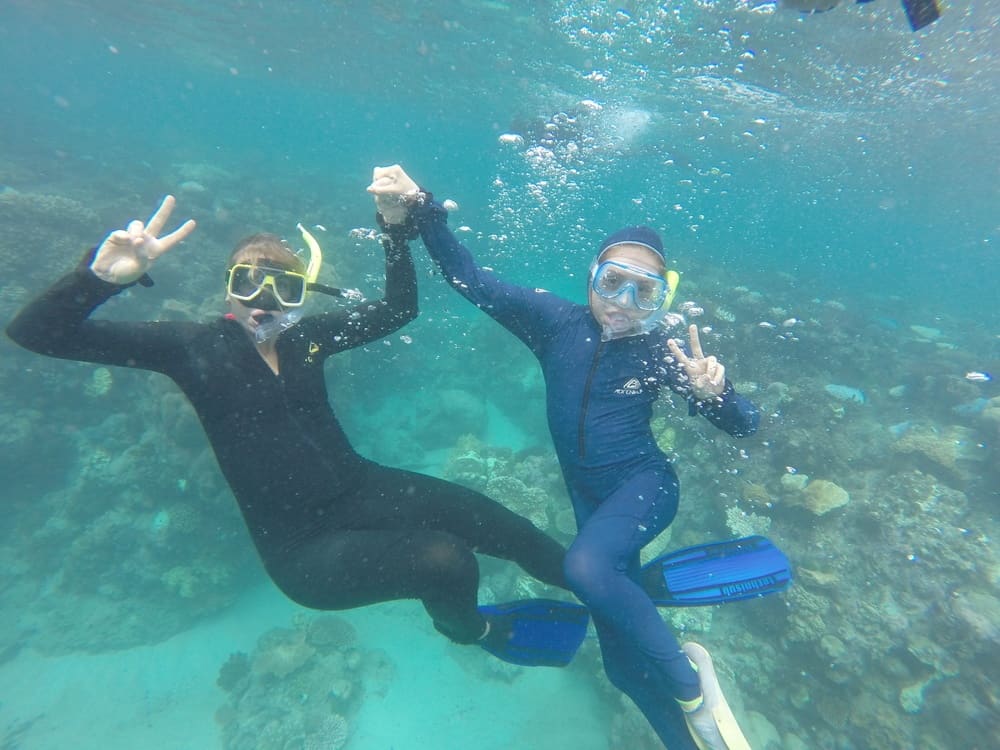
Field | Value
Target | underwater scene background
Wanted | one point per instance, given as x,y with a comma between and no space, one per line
827,186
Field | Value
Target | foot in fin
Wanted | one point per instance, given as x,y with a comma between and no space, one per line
717,572
535,632
712,724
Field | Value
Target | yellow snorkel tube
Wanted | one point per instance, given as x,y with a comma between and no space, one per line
312,270
673,281
315,254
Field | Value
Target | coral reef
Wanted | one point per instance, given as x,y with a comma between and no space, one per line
820,497
299,688
99,384
529,484
129,526
120,531
741,523
952,448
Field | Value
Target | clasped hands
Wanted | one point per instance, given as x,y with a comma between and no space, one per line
394,192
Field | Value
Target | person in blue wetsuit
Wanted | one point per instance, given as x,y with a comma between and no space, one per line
604,365
333,529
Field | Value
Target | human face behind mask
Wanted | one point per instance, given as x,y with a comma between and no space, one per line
265,287
621,315
263,316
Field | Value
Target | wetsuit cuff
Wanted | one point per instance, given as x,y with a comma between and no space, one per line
398,233
425,209
712,404
84,270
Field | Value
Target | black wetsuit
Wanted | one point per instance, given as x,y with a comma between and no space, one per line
333,529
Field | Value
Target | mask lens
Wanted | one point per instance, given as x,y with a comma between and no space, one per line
243,283
246,283
290,288
609,281
647,293
648,290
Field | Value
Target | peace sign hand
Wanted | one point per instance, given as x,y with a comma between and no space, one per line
126,254
707,374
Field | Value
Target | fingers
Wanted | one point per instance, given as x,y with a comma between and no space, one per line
155,224
384,178
391,180
712,368
713,379
696,351
176,236
676,350
719,380
120,236
135,233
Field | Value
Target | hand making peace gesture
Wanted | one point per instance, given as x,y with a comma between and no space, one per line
126,254
707,374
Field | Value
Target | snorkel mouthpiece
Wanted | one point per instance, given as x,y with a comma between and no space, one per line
273,324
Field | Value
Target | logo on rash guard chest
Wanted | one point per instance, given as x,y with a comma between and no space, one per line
632,387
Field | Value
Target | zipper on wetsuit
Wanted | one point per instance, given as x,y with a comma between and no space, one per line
581,439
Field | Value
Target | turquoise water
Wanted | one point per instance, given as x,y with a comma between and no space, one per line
827,186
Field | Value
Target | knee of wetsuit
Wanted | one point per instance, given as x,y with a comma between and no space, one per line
586,575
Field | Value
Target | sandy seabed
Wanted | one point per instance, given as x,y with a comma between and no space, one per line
165,696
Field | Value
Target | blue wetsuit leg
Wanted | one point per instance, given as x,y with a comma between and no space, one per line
641,656
628,670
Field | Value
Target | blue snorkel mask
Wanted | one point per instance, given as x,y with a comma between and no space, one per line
631,287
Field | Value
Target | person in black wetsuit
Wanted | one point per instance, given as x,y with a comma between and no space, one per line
604,365
333,529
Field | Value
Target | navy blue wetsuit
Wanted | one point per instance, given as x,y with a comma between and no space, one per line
333,529
599,399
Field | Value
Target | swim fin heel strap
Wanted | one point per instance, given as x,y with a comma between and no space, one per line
535,632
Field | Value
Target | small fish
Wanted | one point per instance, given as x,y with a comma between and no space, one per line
320,227
978,377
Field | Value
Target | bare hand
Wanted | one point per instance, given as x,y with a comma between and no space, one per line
393,189
707,374
126,254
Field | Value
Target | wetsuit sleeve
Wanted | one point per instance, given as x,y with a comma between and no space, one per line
527,313
729,411
57,324
371,320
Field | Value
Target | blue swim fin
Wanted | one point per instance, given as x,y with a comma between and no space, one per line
535,632
717,572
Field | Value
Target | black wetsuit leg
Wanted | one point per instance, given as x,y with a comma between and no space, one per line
402,535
